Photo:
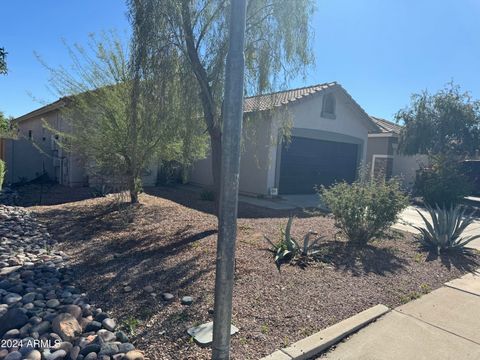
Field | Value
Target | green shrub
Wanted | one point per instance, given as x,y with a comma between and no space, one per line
444,231
100,190
207,195
288,249
170,173
365,209
442,183
2,173
130,325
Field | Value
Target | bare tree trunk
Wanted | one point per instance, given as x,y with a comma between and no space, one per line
208,102
216,149
133,189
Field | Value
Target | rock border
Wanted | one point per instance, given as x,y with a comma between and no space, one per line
42,315
322,340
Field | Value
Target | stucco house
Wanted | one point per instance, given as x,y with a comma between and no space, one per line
328,142
36,151
383,157
331,136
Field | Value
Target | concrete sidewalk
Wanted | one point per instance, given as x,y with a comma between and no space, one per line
442,325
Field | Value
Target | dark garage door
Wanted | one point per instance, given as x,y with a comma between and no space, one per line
306,163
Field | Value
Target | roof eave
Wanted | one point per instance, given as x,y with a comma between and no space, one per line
371,126
40,111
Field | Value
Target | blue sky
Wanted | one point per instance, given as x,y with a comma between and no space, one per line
381,51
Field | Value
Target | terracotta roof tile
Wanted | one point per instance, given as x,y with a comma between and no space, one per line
270,101
386,126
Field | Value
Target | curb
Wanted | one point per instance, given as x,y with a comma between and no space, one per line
323,339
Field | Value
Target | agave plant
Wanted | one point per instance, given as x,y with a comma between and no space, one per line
310,247
445,230
287,248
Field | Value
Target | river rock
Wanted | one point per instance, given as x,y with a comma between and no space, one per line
67,326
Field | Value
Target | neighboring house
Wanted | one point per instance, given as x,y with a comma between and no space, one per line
329,135
36,152
383,158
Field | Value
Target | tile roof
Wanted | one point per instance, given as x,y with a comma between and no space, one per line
386,126
270,101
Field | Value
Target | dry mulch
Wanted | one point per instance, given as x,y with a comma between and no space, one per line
170,246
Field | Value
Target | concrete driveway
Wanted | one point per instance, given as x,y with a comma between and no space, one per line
285,202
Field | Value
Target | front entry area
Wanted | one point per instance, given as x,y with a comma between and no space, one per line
306,163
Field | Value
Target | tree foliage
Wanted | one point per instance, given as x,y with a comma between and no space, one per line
4,123
277,49
443,182
447,122
6,128
122,108
3,62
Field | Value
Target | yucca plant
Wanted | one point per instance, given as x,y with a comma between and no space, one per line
287,248
444,231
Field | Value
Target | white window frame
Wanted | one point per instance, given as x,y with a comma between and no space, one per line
374,158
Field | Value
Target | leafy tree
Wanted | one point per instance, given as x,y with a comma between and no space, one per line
3,63
6,130
447,122
121,113
277,49
443,182
446,127
4,124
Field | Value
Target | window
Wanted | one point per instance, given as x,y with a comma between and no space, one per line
30,135
328,108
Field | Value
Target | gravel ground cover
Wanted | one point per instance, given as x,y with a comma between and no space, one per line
42,315
141,262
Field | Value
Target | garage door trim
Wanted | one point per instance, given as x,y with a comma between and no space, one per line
318,135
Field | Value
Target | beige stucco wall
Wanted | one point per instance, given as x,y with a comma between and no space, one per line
201,172
254,161
347,126
27,159
405,167
378,145
381,153
260,158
